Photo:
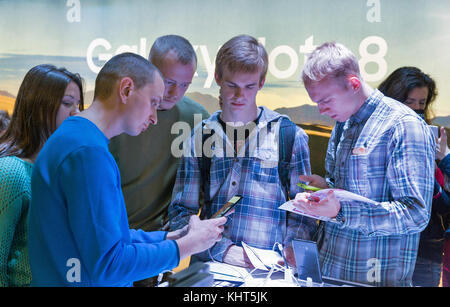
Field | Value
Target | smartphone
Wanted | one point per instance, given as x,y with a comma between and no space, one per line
228,206
435,130
308,187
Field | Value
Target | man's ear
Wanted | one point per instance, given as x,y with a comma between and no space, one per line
261,83
126,87
354,82
218,79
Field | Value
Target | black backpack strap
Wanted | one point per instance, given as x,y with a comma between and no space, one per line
337,135
204,162
285,145
339,127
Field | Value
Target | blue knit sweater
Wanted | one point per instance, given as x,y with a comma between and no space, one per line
79,233
15,195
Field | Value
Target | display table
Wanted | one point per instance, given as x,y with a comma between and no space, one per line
226,275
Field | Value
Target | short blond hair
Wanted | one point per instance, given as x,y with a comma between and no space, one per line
242,53
329,60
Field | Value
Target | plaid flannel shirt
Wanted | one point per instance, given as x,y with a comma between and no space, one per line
386,154
257,220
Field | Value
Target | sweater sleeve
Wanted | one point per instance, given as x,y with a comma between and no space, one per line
98,220
140,236
14,199
10,211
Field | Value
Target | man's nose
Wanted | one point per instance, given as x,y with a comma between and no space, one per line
154,117
173,91
237,92
321,109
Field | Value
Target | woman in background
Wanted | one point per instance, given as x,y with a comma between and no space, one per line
4,121
417,90
46,97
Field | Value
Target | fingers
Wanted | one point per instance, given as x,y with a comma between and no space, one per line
302,204
219,221
314,180
443,139
219,237
302,196
331,195
219,228
306,178
194,218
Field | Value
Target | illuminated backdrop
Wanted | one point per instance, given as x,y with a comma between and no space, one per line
82,34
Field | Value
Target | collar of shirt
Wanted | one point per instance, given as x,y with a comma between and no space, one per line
256,121
367,108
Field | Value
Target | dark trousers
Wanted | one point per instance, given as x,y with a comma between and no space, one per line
427,273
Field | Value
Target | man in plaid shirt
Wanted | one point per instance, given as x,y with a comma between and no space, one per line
381,150
242,163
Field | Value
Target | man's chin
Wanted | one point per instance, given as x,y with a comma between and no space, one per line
165,105
136,132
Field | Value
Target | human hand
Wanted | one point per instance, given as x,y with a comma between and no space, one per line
442,148
288,252
235,255
315,181
202,234
328,206
176,234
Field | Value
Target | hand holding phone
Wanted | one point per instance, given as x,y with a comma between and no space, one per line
228,206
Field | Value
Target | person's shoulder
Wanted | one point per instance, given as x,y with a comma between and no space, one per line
392,115
79,136
77,131
15,174
90,160
12,166
395,109
189,105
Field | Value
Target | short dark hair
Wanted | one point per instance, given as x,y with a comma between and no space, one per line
127,64
403,80
37,104
178,44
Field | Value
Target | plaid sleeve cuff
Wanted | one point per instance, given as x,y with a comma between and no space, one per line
349,215
340,216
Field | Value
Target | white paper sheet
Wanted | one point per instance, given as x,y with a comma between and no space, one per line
262,259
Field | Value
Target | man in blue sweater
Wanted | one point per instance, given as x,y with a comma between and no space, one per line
78,228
